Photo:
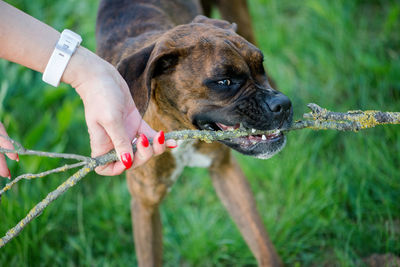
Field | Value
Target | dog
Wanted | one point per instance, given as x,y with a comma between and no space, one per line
187,71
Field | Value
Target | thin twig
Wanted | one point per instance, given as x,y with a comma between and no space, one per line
18,148
45,154
38,209
30,176
12,141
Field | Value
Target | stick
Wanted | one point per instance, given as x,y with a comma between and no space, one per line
360,119
318,119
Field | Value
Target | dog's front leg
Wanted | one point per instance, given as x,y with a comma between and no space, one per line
147,231
147,193
235,193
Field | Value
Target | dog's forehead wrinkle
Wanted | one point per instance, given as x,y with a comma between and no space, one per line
196,33
205,40
252,56
232,46
227,66
226,61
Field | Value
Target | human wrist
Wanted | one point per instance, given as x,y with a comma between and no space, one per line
85,67
77,67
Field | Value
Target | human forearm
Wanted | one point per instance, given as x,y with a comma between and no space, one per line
30,42
24,39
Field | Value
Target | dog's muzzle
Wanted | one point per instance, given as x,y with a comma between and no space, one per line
263,110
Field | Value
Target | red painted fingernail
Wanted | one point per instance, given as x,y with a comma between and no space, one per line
161,138
17,158
145,141
172,146
9,174
126,160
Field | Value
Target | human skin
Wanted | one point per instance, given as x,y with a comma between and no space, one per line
111,115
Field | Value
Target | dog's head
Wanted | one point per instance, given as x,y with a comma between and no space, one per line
207,77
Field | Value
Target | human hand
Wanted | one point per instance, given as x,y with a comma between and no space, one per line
111,115
5,143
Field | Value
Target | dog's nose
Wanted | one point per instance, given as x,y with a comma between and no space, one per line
279,104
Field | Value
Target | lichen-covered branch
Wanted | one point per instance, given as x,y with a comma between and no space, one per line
357,118
318,119
30,176
38,209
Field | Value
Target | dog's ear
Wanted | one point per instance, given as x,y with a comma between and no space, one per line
223,24
139,68
133,69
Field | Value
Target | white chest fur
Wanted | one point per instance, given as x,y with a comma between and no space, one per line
187,156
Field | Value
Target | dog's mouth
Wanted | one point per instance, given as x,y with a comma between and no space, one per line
261,145
251,140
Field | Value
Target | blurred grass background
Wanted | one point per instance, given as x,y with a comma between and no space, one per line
329,198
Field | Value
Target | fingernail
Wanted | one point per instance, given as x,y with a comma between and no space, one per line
17,158
126,160
145,141
9,174
172,146
161,138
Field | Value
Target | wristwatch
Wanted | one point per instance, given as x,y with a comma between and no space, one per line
65,48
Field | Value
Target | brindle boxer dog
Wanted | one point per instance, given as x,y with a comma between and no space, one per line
186,71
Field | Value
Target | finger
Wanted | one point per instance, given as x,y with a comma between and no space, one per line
144,151
100,144
5,143
159,143
171,143
111,169
148,131
4,171
121,141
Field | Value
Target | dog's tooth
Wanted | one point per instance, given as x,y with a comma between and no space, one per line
253,130
263,137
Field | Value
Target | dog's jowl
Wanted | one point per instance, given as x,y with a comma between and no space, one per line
186,71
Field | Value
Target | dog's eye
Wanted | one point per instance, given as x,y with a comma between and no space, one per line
224,82
225,85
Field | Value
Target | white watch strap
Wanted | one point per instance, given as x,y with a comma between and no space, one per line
60,57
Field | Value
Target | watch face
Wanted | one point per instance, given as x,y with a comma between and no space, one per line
68,42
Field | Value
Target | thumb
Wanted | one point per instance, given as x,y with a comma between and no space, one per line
121,141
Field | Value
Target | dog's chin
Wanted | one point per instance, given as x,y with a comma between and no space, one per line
259,146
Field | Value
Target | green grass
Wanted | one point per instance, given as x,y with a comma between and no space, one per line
328,198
